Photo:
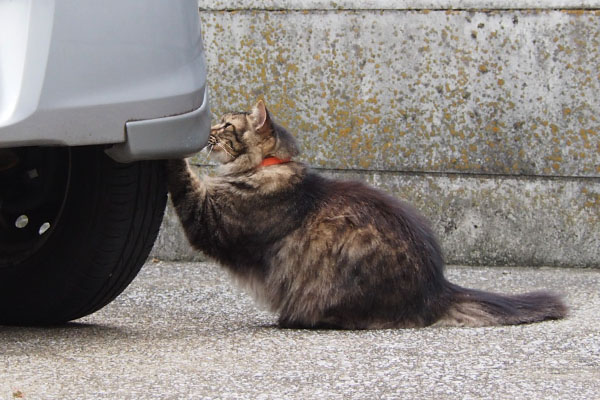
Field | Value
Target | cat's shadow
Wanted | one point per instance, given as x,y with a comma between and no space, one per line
275,327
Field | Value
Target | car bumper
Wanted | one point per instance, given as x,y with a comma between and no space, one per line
164,138
127,74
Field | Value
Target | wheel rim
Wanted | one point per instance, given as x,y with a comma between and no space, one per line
34,182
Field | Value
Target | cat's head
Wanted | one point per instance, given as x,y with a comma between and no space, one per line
243,140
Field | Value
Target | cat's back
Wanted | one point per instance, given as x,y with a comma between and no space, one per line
366,203
355,207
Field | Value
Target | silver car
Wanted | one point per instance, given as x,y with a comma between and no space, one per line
93,94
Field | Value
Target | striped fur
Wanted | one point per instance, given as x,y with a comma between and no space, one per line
325,253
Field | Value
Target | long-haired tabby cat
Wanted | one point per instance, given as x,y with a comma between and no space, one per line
325,253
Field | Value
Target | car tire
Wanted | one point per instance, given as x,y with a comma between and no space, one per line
104,218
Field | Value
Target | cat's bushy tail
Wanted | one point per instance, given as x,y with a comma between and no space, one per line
469,307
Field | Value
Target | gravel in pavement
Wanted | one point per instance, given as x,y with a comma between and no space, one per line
183,331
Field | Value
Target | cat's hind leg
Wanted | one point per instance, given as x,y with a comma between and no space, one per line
287,323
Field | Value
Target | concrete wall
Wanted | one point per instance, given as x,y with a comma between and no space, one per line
488,121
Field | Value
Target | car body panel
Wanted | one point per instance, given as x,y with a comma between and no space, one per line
76,72
162,138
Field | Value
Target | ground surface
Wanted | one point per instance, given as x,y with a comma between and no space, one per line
181,331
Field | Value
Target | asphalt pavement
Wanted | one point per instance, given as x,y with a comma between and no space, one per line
183,331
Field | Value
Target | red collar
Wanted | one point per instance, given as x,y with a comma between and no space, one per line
273,161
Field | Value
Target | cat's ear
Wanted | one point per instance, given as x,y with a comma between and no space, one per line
260,114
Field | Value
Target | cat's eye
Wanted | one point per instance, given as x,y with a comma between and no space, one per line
228,125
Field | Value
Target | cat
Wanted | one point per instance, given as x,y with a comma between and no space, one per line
325,253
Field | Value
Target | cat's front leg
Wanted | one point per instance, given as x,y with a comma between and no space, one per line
185,187
190,197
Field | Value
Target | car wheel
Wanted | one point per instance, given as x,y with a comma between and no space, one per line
75,229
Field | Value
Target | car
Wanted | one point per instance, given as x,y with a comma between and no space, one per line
93,97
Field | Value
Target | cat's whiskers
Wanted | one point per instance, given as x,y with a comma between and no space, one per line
229,147
225,150
212,146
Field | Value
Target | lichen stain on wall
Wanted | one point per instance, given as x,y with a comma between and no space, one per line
495,92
